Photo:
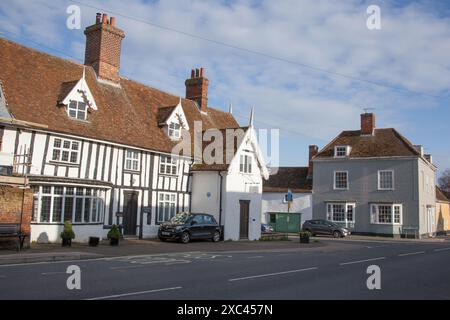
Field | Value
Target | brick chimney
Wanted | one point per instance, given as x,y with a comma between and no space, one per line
197,88
313,150
367,123
103,45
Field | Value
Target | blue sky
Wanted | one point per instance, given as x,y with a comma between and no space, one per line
409,57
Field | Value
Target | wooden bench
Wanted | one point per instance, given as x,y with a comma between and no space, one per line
12,230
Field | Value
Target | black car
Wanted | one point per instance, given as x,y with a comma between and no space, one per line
187,226
325,227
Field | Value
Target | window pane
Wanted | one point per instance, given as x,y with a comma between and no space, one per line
65,156
384,214
73,157
46,189
75,145
80,191
68,207
58,190
128,165
57,143
338,212
87,209
57,209
72,113
94,210
35,208
72,105
78,209
45,208
69,190
66,144
81,106
81,115
56,154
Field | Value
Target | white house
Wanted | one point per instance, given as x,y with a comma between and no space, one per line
100,145
231,190
298,180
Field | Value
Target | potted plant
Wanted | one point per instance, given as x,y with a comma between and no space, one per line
67,235
94,241
114,235
304,236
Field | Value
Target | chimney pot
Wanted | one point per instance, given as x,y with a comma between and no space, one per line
112,21
202,72
197,73
98,18
367,123
192,74
105,18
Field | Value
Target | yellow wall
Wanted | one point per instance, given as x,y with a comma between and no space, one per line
442,216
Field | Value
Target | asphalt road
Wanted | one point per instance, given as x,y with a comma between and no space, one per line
409,270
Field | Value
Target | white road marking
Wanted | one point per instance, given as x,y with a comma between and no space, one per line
411,253
441,249
51,273
133,293
272,274
361,261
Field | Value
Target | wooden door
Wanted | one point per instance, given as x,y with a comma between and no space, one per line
244,221
130,213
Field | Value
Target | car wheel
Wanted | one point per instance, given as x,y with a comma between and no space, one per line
337,234
216,237
185,238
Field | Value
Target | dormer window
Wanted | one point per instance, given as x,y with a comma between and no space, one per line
174,130
341,151
77,110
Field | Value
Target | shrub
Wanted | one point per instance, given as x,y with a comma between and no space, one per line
114,233
68,232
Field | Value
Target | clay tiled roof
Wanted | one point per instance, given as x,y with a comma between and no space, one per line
440,195
164,114
293,178
34,83
384,143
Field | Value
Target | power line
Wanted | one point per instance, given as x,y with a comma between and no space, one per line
254,52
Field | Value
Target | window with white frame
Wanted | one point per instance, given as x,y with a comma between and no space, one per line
174,130
65,150
77,110
385,180
386,214
341,212
132,160
245,164
341,151
57,204
168,165
166,206
341,180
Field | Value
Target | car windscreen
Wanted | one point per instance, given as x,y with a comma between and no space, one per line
180,218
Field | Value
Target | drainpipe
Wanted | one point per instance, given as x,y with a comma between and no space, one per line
220,199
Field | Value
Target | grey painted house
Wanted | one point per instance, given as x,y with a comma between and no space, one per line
375,181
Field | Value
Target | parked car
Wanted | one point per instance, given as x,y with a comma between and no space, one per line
187,226
325,227
266,228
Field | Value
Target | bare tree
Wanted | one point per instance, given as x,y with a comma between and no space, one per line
444,181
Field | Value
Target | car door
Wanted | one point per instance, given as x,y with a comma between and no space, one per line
209,226
315,227
321,227
196,228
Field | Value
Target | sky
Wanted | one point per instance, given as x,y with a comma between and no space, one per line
308,67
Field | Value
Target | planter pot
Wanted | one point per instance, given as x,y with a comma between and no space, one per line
94,241
114,242
304,239
66,242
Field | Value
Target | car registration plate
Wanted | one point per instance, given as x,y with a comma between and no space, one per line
165,233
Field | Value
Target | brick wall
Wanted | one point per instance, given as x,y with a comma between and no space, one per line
11,206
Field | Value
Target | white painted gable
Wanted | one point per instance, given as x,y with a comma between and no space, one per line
178,116
81,92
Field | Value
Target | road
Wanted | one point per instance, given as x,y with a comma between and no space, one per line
409,270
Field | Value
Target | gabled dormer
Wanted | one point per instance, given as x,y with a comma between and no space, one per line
77,99
173,121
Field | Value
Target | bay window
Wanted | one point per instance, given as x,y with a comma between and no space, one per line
341,212
390,214
166,206
57,204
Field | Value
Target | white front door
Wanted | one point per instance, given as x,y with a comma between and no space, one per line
431,219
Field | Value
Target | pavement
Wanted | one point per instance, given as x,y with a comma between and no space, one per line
280,270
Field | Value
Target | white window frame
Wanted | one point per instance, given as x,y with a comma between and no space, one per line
167,165
63,149
167,204
334,180
96,196
347,205
337,151
374,213
246,163
379,179
77,110
174,130
132,158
